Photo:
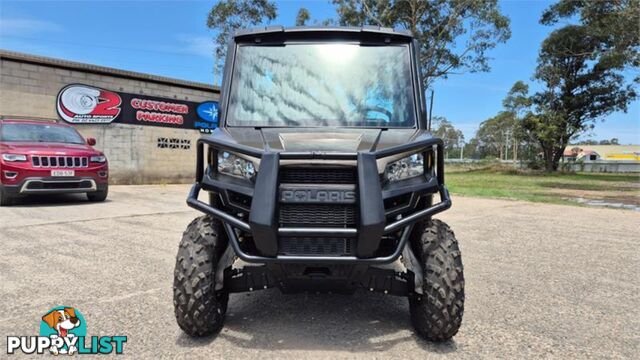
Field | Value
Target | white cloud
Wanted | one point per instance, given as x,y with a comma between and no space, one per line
22,27
199,45
191,45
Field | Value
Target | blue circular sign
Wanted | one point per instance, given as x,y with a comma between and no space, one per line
208,114
208,111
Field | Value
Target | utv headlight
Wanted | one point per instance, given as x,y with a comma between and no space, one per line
234,165
14,157
405,168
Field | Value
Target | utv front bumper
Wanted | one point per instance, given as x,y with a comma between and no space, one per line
373,221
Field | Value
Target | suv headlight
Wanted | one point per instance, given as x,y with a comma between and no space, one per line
14,157
234,165
98,158
405,168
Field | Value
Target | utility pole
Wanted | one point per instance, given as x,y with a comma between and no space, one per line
430,110
506,146
502,146
515,148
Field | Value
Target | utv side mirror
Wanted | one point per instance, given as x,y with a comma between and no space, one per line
91,141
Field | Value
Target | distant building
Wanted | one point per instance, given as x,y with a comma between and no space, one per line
603,158
147,125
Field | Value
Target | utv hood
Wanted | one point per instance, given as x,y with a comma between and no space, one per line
317,139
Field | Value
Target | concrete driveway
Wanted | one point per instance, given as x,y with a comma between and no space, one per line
541,281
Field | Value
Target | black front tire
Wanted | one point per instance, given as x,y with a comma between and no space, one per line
5,199
199,308
100,195
437,313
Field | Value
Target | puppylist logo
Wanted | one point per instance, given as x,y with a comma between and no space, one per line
63,330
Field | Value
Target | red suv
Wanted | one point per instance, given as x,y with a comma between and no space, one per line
38,157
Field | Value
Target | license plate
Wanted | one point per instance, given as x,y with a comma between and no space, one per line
62,173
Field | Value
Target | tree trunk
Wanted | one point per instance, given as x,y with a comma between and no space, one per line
549,165
557,156
552,156
547,154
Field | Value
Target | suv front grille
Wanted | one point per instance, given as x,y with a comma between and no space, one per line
318,175
311,246
59,185
59,161
318,215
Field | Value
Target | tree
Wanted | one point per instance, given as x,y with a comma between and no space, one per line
518,103
454,35
517,100
582,67
453,138
613,24
495,135
613,141
302,17
502,136
228,16
471,149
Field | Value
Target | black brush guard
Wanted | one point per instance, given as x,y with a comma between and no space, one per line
263,224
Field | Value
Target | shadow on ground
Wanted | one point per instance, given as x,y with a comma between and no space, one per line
363,322
52,200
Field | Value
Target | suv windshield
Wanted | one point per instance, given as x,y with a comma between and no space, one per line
326,84
39,133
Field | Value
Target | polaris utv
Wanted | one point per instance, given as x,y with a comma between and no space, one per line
321,177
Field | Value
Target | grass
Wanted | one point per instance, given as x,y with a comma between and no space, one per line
560,188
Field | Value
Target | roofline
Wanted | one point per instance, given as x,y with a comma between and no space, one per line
103,70
274,29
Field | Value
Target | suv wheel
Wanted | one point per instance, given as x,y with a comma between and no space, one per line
199,308
100,195
5,199
437,313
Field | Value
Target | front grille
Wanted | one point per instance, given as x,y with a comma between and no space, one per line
318,215
311,246
318,175
62,185
59,161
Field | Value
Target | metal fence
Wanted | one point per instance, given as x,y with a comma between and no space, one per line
604,166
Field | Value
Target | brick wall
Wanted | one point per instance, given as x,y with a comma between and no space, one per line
28,89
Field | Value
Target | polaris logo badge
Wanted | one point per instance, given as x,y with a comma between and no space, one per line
314,196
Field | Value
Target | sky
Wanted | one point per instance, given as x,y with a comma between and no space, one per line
170,38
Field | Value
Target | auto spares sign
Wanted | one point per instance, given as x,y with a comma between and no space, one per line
84,104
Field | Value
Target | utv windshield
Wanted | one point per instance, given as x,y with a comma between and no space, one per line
322,85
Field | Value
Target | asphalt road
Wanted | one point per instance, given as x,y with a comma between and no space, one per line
541,281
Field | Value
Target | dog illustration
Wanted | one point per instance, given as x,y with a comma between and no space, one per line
62,321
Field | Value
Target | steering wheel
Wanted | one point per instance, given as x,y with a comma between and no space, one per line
376,121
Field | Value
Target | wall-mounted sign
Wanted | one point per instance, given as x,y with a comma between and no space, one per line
84,104
208,116
81,104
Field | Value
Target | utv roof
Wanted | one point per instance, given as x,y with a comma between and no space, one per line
323,32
